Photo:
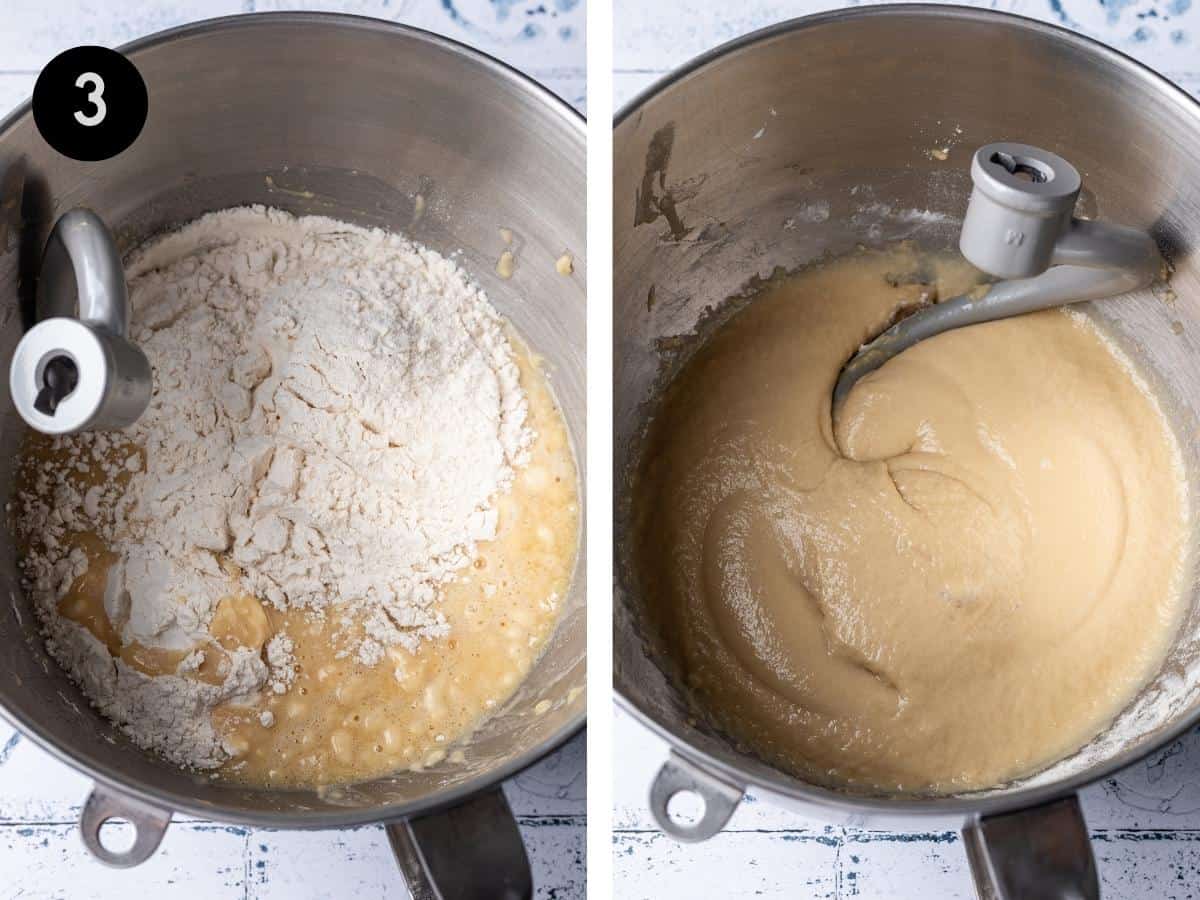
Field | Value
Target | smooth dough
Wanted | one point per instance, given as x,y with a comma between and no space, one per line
965,583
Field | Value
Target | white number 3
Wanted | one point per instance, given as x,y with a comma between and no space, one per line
96,98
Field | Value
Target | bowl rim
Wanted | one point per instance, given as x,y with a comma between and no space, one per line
888,10
767,778
174,801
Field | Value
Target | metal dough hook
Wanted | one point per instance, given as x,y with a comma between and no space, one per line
1019,226
76,370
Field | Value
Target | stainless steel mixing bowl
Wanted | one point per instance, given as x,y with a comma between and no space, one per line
858,127
382,126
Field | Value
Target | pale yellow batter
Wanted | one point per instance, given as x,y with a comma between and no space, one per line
965,582
341,721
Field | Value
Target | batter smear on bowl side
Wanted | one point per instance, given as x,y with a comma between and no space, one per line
963,579
339,536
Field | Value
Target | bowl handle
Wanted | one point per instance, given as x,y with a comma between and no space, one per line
1039,853
679,775
472,850
104,805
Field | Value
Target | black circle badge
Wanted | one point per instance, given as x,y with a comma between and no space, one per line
90,103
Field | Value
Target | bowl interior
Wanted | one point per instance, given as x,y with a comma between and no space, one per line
366,122
858,128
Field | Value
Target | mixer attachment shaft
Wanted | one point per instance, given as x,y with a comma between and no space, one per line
76,369
1019,226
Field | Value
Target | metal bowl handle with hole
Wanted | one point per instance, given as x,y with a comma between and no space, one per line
679,775
106,805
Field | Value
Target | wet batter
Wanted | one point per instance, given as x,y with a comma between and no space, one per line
341,721
963,581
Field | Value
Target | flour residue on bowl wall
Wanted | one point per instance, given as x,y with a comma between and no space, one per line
882,222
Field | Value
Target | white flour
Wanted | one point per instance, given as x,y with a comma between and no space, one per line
335,410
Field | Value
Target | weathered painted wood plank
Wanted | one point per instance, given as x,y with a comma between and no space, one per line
535,35
15,88
217,861
891,865
649,866
34,787
359,863
1133,865
654,38
35,31
546,39
547,799
49,861
1151,804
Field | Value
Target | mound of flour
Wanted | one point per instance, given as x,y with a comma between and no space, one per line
335,410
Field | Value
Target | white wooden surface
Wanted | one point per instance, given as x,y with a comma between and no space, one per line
651,38
41,855
1146,822
1145,830
543,38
